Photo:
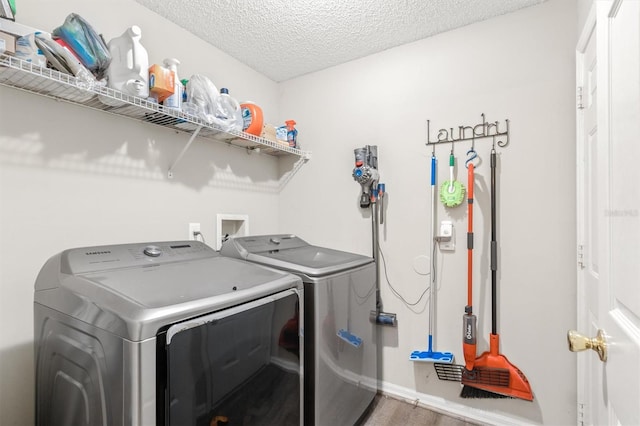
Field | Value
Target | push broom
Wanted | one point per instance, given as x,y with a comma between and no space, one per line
431,355
492,375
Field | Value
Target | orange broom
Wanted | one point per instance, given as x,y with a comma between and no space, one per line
492,375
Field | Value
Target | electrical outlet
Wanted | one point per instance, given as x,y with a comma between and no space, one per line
194,229
446,236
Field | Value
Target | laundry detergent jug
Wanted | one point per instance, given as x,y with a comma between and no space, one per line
129,68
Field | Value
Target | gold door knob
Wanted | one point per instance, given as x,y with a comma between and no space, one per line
578,342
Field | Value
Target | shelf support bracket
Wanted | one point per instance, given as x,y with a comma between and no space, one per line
186,147
297,166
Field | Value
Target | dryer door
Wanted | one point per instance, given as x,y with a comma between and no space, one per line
241,365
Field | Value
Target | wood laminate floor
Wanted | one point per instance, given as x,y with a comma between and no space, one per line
387,411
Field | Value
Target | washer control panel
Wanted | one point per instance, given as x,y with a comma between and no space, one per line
101,258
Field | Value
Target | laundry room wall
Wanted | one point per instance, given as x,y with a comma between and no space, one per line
519,67
584,6
74,177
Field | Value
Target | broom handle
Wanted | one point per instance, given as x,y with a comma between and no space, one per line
494,247
470,238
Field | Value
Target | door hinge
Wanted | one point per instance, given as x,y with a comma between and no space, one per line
581,256
579,98
581,421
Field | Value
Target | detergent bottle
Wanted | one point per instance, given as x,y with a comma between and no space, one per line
175,100
228,111
252,119
292,133
128,70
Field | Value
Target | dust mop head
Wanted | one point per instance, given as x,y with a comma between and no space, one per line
452,194
432,356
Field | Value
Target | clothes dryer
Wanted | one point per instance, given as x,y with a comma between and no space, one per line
340,358
165,333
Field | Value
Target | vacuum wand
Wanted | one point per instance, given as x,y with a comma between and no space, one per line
366,174
377,316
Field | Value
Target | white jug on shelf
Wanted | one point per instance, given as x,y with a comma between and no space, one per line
128,71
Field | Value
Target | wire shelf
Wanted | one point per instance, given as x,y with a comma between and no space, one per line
48,82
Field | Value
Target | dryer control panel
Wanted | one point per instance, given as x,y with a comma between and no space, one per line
243,246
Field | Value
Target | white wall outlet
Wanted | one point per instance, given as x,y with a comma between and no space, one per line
446,237
194,230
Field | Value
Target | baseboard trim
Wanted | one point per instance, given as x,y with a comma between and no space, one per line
449,408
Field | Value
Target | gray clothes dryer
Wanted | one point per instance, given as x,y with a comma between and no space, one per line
340,356
165,333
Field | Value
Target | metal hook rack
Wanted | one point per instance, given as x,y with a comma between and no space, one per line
479,131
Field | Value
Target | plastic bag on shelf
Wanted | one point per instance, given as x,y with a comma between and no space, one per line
86,43
205,102
202,97
64,61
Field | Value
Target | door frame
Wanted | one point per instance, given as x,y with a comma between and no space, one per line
589,30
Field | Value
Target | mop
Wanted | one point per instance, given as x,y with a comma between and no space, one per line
492,375
469,320
430,355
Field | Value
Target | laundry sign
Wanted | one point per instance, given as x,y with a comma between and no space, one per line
481,130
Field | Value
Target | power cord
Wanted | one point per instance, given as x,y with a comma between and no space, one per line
398,295
198,234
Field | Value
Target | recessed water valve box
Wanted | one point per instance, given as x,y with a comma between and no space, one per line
229,226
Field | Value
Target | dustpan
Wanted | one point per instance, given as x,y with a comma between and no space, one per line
492,372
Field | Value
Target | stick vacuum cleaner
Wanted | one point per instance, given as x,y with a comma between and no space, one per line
366,174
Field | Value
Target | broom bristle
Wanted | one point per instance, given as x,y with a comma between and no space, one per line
471,392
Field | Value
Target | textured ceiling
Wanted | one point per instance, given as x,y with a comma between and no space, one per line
283,39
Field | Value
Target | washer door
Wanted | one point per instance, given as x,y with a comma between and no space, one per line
241,363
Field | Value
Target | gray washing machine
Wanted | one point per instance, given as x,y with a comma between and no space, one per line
340,359
165,333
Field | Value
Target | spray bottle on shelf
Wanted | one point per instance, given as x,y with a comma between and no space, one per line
292,133
184,82
175,100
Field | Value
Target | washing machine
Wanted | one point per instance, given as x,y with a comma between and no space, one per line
167,333
340,356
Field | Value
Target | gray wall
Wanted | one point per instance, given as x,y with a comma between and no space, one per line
72,177
519,67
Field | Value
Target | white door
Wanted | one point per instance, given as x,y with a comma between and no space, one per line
608,160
